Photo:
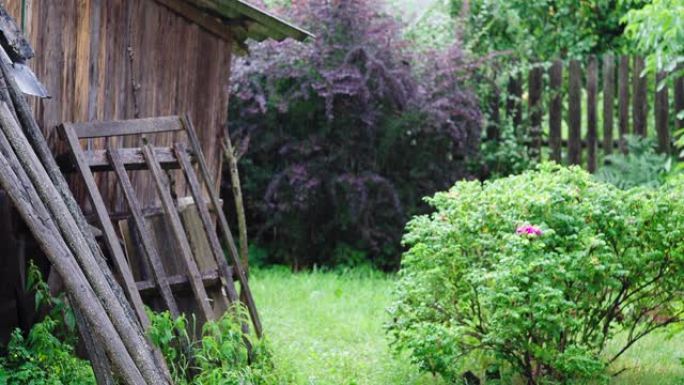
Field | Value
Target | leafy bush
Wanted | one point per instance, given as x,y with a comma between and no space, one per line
532,275
219,356
505,155
546,30
42,358
46,355
641,166
658,30
342,135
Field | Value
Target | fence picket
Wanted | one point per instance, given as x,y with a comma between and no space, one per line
639,98
623,100
556,109
575,113
608,102
535,86
513,104
662,115
592,90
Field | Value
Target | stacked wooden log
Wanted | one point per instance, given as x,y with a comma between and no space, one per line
113,334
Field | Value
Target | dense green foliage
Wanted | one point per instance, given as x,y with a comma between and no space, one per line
658,29
41,358
641,166
46,355
342,135
218,356
533,275
326,328
546,29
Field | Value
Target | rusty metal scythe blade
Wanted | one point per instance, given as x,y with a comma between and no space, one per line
24,76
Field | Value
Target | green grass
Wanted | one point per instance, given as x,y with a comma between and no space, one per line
327,329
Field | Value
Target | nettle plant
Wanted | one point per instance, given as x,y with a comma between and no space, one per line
531,276
218,356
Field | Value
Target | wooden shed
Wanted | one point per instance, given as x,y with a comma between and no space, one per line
106,60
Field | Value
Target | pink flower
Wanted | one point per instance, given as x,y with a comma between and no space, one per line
529,230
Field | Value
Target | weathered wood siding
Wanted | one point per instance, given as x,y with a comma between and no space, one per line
121,59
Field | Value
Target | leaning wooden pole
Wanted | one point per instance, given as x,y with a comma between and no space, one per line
133,340
33,211
231,158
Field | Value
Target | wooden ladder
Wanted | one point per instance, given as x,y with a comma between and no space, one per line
156,160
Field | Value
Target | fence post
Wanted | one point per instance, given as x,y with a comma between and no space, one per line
513,103
623,100
575,113
556,109
592,86
608,102
535,85
662,114
640,98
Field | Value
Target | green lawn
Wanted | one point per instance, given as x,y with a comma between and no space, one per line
327,329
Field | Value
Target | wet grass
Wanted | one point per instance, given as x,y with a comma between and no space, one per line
326,328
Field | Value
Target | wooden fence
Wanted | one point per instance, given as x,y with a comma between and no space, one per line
608,77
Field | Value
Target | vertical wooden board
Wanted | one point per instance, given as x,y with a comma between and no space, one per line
575,113
513,104
133,47
117,82
52,52
535,86
623,100
140,268
640,97
608,102
72,74
220,127
202,251
662,114
207,122
592,91
556,109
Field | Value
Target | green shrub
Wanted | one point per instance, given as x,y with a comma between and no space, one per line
531,275
219,356
41,359
641,166
46,356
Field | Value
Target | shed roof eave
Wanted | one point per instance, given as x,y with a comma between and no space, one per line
274,26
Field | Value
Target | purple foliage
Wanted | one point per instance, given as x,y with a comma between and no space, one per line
347,132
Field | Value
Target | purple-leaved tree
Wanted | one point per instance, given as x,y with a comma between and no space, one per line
343,135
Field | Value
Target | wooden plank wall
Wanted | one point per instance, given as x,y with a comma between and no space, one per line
122,59
630,104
